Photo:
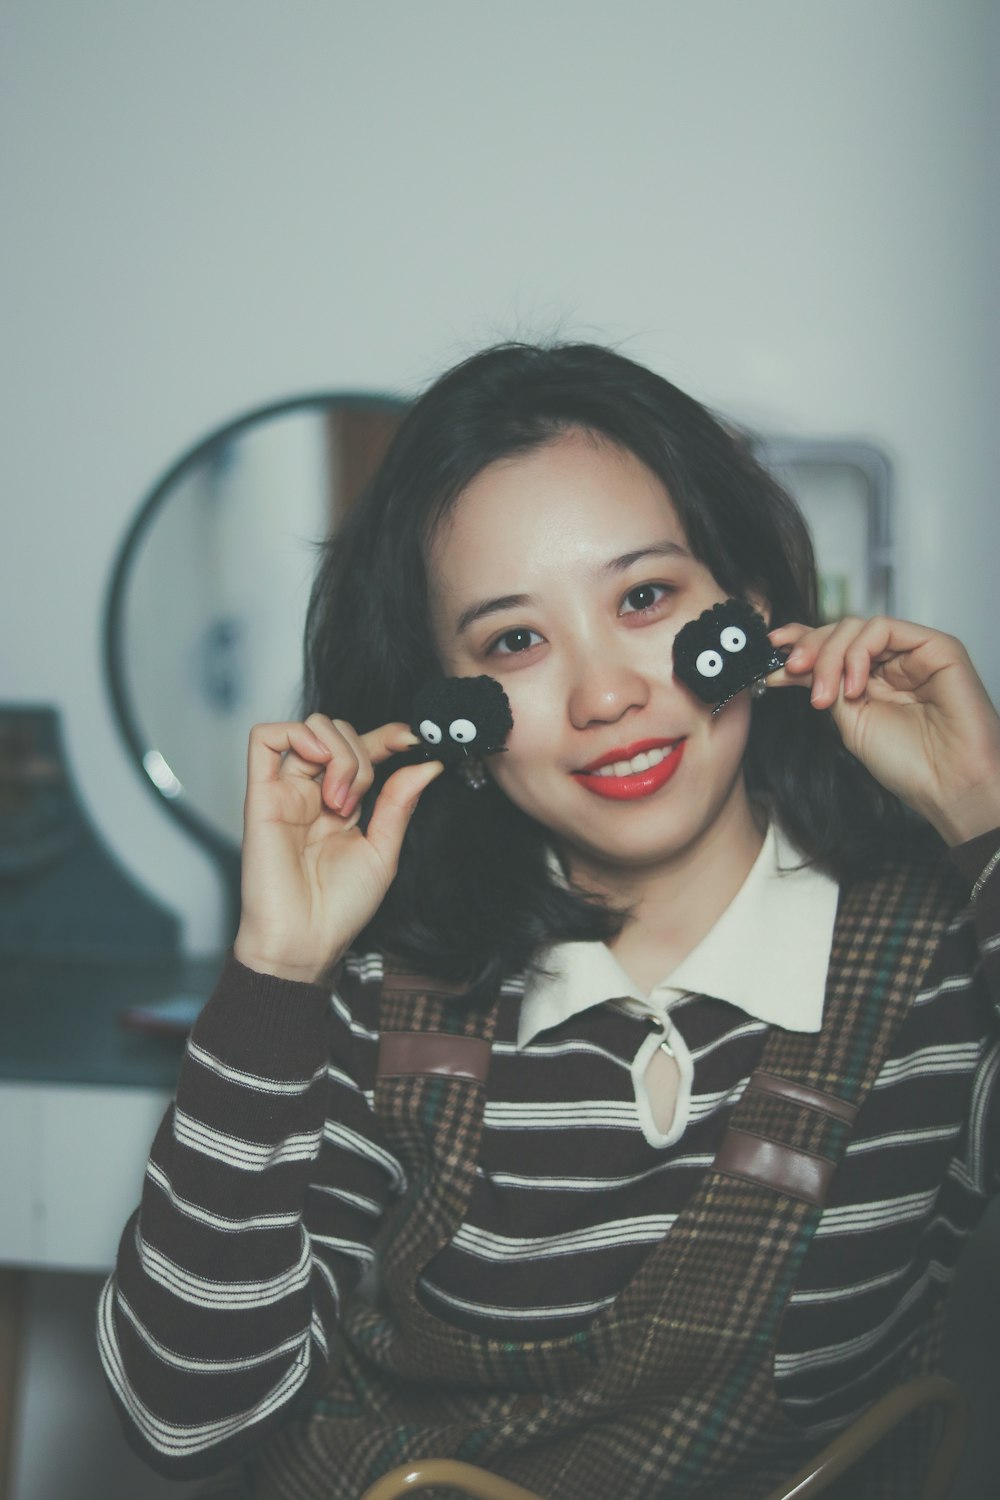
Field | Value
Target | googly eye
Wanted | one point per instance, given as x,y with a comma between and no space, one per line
733,638
709,663
430,731
462,730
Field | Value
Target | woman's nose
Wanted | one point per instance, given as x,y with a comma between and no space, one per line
605,687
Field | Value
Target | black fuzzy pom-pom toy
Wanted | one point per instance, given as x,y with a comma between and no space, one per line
723,651
460,717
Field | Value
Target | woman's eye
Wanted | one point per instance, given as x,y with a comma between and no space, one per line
513,641
645,596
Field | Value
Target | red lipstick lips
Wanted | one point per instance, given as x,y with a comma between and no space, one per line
640,783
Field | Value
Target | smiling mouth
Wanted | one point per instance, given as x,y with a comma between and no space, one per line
640,762
635,771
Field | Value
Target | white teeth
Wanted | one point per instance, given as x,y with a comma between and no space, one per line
644,761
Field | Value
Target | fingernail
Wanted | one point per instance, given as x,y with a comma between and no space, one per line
337,800
348,807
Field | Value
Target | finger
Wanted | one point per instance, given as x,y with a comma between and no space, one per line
374,748
347,782
348,759
870,645
349,773
395,806
271,744
824,658
802,643
790,634
856,648
828,673
388,740
815,658
346,790
378,744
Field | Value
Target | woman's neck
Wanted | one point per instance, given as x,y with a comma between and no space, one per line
675,902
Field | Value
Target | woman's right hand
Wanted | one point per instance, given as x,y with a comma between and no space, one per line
311,879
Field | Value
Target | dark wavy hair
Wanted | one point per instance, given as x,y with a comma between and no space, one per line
475,898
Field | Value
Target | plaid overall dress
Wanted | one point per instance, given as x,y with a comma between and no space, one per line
669,1393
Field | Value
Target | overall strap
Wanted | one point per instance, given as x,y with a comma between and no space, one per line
796,1116
429,1099
426,1030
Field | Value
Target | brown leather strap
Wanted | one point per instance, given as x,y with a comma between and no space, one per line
399,983
800,1093
774,1165
402,1054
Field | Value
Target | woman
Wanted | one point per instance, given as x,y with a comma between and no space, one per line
654,1101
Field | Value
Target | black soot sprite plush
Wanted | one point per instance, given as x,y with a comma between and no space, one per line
725,650
461,717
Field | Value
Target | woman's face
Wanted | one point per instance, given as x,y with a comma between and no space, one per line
565,574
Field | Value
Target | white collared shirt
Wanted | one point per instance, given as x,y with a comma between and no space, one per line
768,954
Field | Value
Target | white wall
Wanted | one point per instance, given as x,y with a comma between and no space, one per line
784,206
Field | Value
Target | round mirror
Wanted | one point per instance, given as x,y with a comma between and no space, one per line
206,607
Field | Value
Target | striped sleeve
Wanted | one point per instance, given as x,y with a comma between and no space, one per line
911,1189
978,861
264,1188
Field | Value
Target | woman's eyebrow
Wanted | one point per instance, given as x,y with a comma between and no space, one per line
656,549
490,607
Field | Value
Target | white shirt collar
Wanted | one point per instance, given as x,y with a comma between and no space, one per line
768,954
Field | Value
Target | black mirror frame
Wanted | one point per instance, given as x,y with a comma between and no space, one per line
225,853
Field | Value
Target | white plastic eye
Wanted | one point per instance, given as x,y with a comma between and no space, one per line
709,663
430,731
733,638
462,730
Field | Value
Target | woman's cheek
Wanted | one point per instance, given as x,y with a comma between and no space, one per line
515,769
514,781
510,766
530,707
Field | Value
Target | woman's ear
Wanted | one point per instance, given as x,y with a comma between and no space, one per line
761,605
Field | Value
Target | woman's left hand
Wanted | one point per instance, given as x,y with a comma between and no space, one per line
909,705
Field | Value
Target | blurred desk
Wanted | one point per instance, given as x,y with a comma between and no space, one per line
80,1100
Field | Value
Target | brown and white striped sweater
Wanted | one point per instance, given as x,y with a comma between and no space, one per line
268,1179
